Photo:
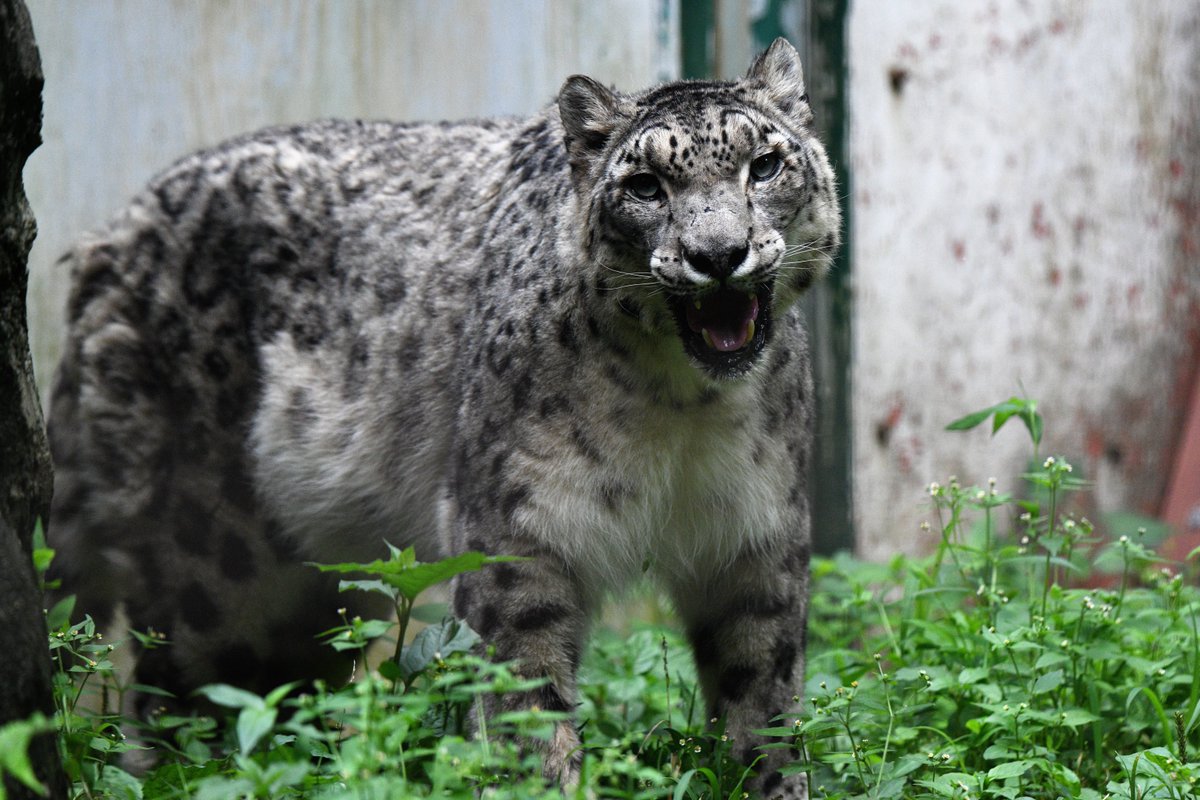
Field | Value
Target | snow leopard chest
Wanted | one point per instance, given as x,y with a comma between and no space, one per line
658,489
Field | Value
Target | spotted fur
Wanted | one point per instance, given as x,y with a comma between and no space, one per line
570,337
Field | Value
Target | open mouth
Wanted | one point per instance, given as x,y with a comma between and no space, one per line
725,329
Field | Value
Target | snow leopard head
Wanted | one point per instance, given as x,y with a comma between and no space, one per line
710,206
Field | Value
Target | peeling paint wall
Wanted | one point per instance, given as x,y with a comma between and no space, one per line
1026,217
131,85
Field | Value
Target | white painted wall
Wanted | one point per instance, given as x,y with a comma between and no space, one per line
1026,213
131,85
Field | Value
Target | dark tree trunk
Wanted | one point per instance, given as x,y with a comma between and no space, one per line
25,475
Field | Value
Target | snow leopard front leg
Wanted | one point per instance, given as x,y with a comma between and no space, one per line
529,612
746,624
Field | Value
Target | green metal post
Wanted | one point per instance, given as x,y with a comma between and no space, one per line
822,43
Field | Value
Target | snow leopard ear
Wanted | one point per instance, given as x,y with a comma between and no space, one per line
779,73
590,113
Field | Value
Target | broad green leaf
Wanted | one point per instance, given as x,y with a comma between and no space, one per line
430,613
14,750
996,752
230,696
1049,658
1048,682
971,675
441,640
1074,717
278,693
252,725
391,671
411,577
118,784
890,787
1011,769
59,615
375,586
42,556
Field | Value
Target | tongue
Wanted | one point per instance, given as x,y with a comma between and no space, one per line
725,319
726,341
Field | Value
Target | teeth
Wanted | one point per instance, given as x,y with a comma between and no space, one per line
750,332
697,303
708,339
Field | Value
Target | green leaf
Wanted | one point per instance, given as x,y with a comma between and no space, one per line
374,586
682,786
411,577
971,420
117,783
431,613
1004,413
223,694
42,556
252,725
996,752
1074,717
14,750
1026,410
778,730
59,615
441,640
971,675
391,671
1012,769
278,693
1034,423
1048,682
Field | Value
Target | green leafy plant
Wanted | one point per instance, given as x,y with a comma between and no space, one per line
1026,657
992,669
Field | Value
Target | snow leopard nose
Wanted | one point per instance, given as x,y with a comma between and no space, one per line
717,263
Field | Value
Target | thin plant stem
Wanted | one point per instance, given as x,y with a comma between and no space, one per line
1049,531
887,739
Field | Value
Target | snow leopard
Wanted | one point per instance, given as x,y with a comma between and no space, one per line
572,338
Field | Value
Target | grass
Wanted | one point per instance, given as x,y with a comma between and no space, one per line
1027,657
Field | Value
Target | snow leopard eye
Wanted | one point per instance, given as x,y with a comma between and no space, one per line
765,167
644,186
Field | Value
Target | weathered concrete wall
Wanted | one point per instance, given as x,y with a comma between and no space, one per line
1026,214
131,85
1026,207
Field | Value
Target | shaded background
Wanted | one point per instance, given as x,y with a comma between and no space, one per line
1022,183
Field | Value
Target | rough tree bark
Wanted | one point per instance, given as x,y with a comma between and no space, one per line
25,473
